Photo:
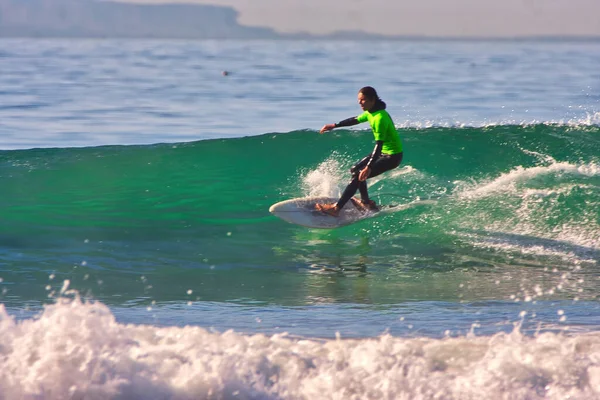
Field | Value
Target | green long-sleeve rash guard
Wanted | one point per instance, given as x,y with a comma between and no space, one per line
383,128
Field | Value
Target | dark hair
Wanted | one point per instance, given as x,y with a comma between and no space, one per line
370,93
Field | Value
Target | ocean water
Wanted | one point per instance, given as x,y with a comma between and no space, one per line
138,259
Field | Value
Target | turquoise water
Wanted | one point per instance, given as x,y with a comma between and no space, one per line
138,258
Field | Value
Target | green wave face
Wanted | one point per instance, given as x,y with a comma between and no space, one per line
222,181
204,205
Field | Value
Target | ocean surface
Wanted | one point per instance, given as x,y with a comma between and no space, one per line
138,259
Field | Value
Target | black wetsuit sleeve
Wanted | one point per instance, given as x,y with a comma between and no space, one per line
376,152
347,122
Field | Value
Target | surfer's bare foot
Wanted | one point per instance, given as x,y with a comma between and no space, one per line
370,205
365,205
329,209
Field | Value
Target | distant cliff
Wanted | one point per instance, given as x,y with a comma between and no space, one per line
105,19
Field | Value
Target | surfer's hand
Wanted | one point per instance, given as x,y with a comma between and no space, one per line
326,128
364,174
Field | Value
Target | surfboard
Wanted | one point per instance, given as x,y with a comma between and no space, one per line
301,211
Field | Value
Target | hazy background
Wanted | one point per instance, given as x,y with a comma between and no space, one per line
299,19
496,18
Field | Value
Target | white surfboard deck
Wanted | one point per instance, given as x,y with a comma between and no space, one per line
301,211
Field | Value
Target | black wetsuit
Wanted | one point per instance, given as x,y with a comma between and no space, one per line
378,162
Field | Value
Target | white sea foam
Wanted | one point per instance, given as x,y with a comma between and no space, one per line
589,119
326,179
529,207
507,181
78,350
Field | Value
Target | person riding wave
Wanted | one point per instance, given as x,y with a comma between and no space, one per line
386,155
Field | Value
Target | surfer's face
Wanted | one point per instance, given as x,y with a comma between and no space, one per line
365,102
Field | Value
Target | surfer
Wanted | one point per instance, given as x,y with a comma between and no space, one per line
386,155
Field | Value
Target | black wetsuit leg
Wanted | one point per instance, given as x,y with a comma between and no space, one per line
382,164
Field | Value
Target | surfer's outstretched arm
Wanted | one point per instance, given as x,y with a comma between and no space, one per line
347,122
